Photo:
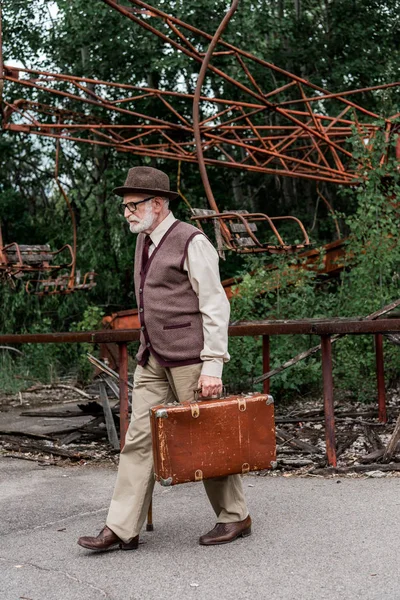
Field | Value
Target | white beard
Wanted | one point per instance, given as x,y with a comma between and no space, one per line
137,226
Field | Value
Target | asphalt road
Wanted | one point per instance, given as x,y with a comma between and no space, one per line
312,539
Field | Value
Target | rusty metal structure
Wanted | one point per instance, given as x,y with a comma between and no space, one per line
279,123
17,260
282,123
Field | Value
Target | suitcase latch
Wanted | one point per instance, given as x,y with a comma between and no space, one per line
242,404
245,468
198,475
195,410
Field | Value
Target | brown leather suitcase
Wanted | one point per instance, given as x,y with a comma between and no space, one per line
212,438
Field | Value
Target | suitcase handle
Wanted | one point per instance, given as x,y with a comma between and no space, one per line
197,392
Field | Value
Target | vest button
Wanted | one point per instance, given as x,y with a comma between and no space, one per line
143,328
148,345
140,309
141,291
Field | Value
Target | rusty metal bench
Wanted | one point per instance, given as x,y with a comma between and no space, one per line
18,258
236,230
63,284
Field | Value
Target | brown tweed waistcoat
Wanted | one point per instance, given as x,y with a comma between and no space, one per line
171,323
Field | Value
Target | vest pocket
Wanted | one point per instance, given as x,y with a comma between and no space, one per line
177,326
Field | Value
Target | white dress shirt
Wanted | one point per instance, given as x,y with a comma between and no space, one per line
202,268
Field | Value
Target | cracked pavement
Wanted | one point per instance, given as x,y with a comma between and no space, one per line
312,539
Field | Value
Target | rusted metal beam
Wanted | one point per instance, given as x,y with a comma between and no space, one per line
266,362
314,327
123,392
306,327
294,146
196,107
380,376
304,143
93,337
326,348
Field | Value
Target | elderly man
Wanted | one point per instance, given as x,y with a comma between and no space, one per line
184,316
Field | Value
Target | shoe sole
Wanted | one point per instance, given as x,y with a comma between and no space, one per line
117,544
97,549
127,547
243,534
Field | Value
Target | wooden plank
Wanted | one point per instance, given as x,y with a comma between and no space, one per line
392,445
32,446
240,228
108,416
203,212
244,242
34,248
31,259
296,443
356,469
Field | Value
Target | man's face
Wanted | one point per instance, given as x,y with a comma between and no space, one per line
143,217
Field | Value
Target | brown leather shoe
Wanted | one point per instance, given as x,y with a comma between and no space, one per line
107,539
223,533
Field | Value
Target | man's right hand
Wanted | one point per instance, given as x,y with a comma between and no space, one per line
210,386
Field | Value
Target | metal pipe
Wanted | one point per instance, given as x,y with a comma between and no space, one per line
306,327
123,392
266,362
328,399
380,376
196,102
71,282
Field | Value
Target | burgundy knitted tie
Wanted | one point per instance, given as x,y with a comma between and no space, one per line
145,255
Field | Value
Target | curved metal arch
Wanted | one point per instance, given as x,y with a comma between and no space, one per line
196,104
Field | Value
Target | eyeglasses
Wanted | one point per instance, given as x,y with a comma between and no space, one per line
132,206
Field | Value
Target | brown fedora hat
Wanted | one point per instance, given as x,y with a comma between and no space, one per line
146,180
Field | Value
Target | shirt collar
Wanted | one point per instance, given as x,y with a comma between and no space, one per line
161,229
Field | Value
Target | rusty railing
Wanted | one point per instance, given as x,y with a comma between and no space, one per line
324,328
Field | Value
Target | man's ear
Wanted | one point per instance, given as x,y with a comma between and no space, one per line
158,203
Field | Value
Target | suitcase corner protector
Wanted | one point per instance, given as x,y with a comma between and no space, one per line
269,400
166,482
161,413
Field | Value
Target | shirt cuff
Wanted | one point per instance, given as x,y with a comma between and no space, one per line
213,368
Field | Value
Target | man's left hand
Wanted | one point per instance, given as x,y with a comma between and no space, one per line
210,386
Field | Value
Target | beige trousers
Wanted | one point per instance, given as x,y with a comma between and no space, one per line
154,385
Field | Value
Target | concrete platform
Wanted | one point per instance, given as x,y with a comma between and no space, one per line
313,539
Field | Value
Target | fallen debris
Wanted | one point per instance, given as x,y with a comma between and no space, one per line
295,443
59,386
355,469
392,445
110,424
361,439
15,443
